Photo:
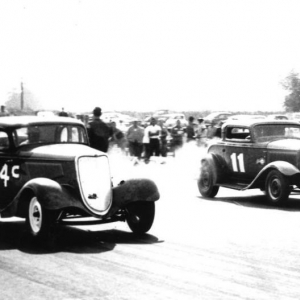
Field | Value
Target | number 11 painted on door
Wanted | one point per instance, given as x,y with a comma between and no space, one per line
235,160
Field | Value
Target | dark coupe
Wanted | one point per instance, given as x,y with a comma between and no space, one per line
50,175
254,154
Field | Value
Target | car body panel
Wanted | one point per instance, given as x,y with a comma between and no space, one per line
249,149
62,170
216,117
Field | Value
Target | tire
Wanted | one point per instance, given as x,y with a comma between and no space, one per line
39,221
277,187
140,216
206,183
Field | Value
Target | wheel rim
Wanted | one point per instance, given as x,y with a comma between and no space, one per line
275,188
35,215
205,180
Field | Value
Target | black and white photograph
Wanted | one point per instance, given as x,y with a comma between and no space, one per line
149,149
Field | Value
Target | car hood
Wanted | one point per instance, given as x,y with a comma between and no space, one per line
285,144
59,151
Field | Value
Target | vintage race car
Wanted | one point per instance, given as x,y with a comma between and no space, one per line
254,154
49,175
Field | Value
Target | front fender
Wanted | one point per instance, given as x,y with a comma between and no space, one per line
51,195
133,190
217,165
283,167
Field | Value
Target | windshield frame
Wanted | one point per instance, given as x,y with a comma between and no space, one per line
50,134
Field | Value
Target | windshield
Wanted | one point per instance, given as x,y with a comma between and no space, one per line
265,133
49,134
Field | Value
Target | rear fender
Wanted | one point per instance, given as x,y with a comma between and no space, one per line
283,167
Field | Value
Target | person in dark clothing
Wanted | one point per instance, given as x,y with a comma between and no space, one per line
190,130
99,132
163,139
177,135
63,113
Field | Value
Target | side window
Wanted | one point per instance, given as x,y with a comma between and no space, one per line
20,136
4,142
64,135
72,134
238,134
75,135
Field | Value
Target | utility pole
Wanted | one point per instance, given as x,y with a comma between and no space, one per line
22,96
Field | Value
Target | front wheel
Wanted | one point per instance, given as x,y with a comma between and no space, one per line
39,221
140,216
206,183
277,187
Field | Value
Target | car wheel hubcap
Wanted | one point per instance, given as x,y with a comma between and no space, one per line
35,215
275,188
205,179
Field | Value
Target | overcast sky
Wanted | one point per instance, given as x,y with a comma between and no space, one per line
147,55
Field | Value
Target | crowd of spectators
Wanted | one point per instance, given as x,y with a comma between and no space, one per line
141,143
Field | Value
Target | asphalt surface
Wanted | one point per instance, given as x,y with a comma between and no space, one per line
233,247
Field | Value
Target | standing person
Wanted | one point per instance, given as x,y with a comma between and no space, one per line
163,138
154,135
190,130
118,137
135,136
177,135
63,113
146,142
99,132
201,133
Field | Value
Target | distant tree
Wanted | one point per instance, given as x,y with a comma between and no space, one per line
292,84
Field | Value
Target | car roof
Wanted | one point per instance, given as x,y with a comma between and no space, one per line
246,117
214,114
14,121
252,122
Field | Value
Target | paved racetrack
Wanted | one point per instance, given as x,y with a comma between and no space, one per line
233,247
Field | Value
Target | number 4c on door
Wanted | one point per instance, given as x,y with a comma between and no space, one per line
237,162
4,173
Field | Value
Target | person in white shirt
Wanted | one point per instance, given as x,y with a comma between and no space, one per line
154,138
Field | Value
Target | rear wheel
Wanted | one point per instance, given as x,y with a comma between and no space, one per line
206,183
277,187
140,216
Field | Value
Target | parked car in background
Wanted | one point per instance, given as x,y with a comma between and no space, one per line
254,154
245,117
294,116
277,117
214,118
173,118
49,175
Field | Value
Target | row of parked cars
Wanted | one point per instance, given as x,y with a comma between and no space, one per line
215,118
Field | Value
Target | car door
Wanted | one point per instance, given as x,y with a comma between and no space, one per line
243,157
9,171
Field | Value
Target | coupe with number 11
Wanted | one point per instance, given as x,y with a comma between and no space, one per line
254,154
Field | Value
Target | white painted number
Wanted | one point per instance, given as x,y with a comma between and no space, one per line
4,173
13,171
237,161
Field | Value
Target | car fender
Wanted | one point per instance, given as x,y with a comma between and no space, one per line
283,167
218,166
50,193
133,190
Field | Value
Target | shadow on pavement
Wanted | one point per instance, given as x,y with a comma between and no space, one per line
68,239
258,201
